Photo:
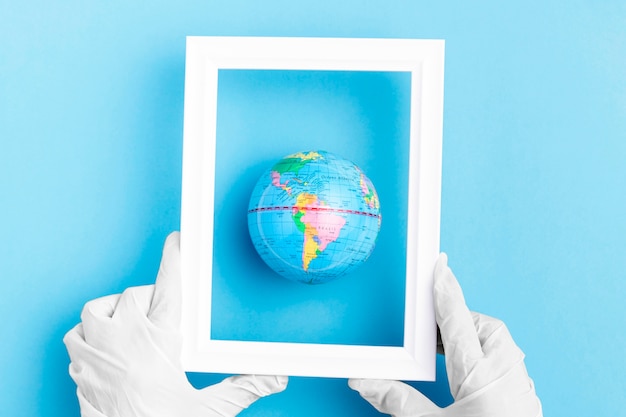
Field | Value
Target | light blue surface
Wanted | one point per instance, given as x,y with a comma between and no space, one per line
534,200
263,116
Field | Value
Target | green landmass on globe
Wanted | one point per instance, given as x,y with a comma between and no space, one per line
314,216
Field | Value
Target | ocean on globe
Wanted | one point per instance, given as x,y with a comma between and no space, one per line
314,216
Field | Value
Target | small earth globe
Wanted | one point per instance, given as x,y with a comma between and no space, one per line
313,217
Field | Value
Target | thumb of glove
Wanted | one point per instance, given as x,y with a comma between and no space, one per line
395,398
236,393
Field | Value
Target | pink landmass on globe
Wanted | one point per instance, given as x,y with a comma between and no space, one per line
321,227
327,226
276,182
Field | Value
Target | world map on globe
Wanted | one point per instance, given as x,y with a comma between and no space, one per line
314,216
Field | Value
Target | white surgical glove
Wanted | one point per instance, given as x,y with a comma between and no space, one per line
485,367
125,356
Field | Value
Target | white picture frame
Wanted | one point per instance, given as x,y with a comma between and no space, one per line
205,56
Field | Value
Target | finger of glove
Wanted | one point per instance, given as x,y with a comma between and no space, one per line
86,408
85,358
501,355
74,341
495,337
453,317
112,327
96,318
511,395
165,310
134,304
458,333
395,398
236,393
131,324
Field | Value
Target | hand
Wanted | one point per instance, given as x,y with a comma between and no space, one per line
125,356
485,368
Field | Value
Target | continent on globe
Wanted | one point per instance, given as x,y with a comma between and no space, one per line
320,227
313,217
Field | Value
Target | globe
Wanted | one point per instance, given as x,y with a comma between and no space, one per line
314,217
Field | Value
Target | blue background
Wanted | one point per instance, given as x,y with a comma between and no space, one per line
263,116
533,217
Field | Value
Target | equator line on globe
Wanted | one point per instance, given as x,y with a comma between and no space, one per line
314,216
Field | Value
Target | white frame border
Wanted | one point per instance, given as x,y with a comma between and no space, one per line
424,59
